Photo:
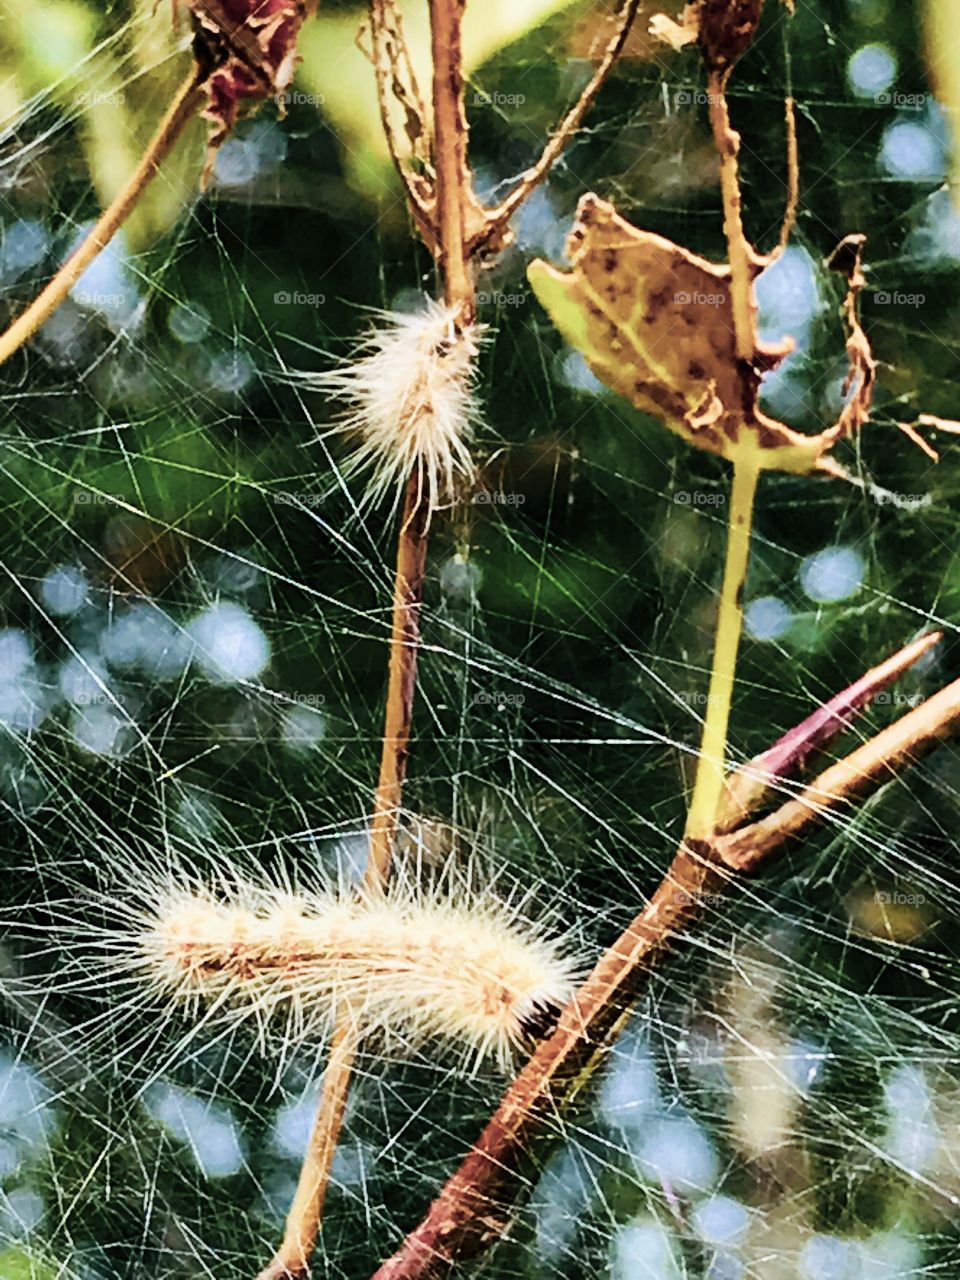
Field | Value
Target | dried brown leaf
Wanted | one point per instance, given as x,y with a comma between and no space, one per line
655,323
247,52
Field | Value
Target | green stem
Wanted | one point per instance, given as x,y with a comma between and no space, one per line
711,765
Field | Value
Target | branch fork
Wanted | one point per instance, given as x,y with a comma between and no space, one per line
415,145
472,1208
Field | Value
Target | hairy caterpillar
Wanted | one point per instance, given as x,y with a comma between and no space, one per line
426,967
408,398
444,959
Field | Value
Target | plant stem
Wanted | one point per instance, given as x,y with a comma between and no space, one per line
871,764
793,179
747,787
707,800
452,176
304,1217
473,1209
741,255
711,770
571,122
450,152
401,682
181,112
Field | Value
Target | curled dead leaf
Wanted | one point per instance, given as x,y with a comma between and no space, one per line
655,323
247,52
724,29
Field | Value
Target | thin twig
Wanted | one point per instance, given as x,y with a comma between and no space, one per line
793,180
741,254
292,1259
473,1208
501,215
303,1218
871,765
182,110
395,77
450,153
401,682
746,788
482,228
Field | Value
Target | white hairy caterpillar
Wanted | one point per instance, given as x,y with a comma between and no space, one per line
424,967
407,397
440,960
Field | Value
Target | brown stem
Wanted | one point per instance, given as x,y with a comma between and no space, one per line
453,187
450,151
793,179
571,122
747,786
397,82
480,228
181,112
303,1220
401,682
871,765
292,1259
472,1209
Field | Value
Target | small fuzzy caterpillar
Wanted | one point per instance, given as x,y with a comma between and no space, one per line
467,968
408,399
